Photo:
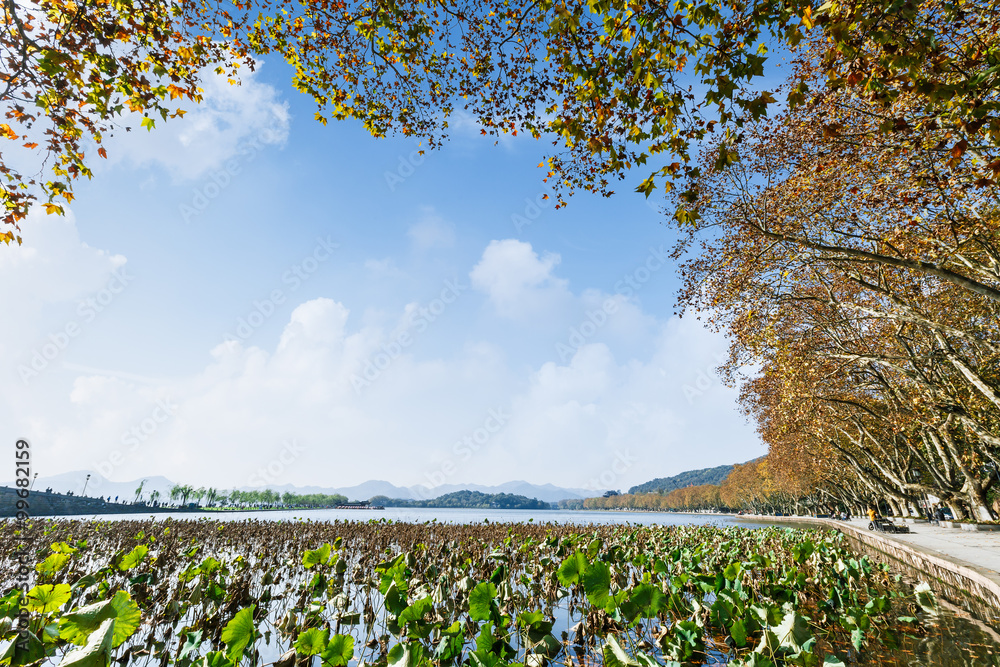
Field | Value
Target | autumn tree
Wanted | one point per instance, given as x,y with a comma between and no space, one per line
861,278
74,73
613,85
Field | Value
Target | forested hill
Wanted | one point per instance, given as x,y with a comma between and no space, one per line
474,499
690,478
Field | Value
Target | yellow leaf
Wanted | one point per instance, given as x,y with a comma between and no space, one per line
807,18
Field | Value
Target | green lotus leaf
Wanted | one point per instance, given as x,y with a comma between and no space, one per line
97,651
339,651
238,633
133,558
48,597
312,642
480,601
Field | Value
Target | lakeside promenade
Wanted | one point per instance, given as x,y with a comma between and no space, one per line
967,560
980,549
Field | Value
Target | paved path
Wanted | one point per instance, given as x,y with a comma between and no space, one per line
978,549
981,549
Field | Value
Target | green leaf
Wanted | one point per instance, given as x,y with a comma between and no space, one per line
85,582
215,659
312,642
52,564
857,638
97,651
571,569
48,597
449,647
648,600
802,551
395,602
925,597
133,558
63,548
483,659
597,583
409,654
615,655
339,651
416,611
191,644
739,633
24,652
793,632
238,633
316,557
77,626
480,601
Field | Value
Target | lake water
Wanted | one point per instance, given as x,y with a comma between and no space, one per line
452,515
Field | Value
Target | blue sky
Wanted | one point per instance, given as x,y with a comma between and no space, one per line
255,278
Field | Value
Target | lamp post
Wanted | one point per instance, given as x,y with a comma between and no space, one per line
85,482
32,481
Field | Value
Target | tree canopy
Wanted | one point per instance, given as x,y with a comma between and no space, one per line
612,84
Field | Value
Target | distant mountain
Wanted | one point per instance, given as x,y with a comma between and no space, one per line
469,499
715,475
545,492
99,485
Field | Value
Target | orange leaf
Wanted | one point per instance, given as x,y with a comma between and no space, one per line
103,153
959,149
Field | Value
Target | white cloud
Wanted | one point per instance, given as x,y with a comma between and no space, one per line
431,231
519,282
44,278
599,417
230,121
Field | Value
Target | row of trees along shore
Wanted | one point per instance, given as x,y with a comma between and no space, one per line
841,229
183,494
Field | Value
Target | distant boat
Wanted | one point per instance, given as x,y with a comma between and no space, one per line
363,505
